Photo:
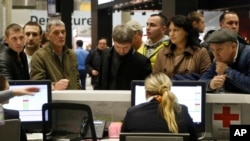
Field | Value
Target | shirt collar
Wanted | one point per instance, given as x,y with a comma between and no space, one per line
237,50
150,98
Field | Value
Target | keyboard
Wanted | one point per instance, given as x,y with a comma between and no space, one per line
99,129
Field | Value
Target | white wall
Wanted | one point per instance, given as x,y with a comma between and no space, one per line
141,19
20,16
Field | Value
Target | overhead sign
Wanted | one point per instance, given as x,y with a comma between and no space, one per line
81,21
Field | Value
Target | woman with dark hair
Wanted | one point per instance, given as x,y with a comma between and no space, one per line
183,58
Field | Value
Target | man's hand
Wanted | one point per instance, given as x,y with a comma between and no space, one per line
221,67
94,72
61,84
217,82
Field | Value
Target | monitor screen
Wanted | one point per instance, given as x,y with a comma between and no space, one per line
30,107
53,7
104,1
189,93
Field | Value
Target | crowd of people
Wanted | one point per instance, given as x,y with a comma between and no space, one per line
173,51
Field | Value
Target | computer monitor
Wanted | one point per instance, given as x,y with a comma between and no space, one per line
53,7
189,93
30,107
154,137
104,1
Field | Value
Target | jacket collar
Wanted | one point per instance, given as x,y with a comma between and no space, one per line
50,48
131,52
169,51
240,48
156,44
12,52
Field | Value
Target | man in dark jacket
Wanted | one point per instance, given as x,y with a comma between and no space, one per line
198,23
231,69
230,20
122,63
93,61
13,61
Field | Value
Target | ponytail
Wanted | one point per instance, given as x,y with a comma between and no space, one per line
158,85
167,108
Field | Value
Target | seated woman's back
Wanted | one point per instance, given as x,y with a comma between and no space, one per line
161,113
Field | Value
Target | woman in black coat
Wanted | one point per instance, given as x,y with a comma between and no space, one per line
161,113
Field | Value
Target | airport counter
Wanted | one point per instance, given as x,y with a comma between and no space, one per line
112,106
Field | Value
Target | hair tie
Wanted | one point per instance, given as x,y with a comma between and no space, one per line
158,98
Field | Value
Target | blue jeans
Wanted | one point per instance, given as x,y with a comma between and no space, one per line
82,76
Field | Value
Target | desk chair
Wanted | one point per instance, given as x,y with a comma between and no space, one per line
10,130
154,136
67,121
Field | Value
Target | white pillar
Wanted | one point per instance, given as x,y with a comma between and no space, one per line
1,19
125,17
8,14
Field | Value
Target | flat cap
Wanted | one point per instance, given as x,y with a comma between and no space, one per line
134,25
222,35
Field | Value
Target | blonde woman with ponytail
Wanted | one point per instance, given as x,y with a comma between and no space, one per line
161,112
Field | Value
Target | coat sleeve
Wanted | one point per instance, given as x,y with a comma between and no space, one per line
147,68
240,76
208,76
88,61
124,125
205,61
5,95
239,79
38,69
191,128
5,69
157,64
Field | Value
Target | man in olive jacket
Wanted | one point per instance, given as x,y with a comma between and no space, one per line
56,61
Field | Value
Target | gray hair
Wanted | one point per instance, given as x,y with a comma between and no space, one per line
56,22
123,34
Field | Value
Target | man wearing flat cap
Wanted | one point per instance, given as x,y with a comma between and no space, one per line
230,70
138,33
